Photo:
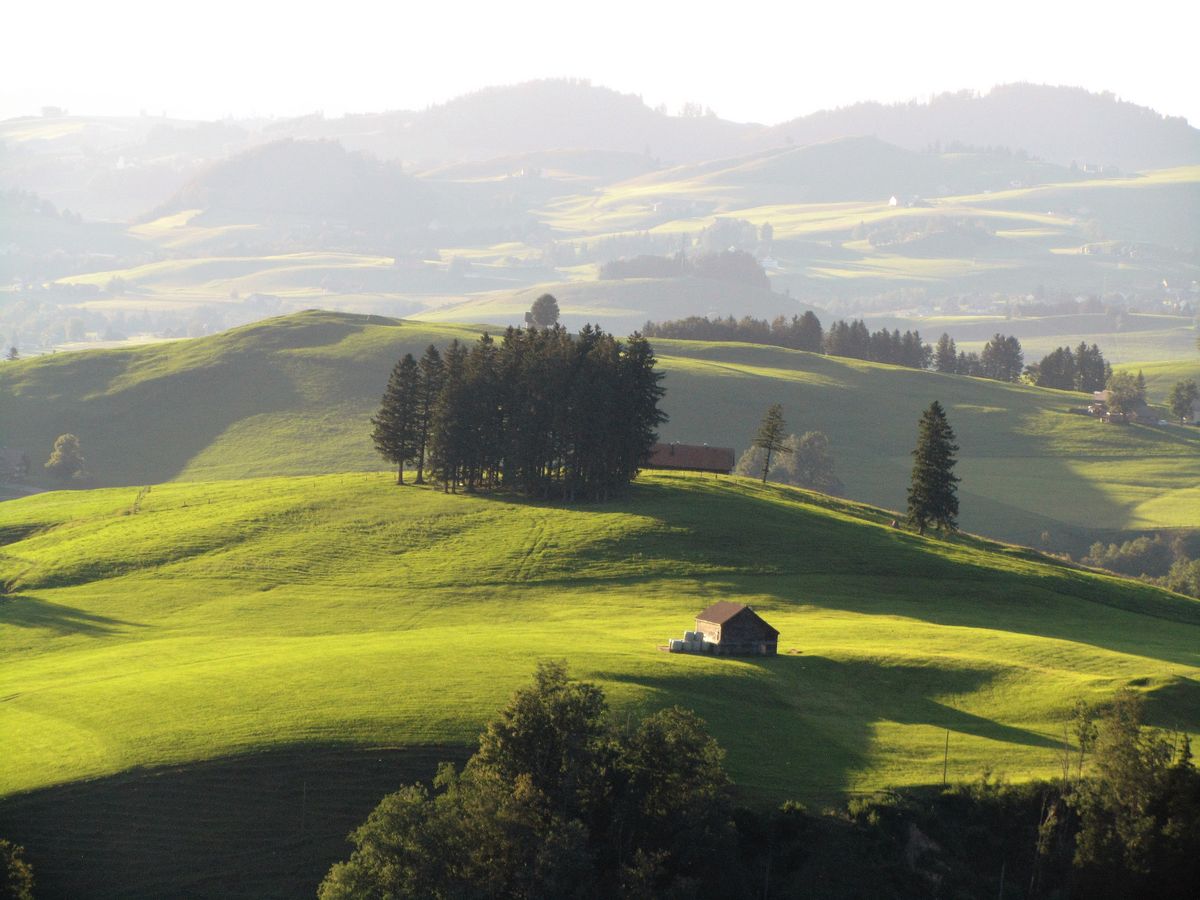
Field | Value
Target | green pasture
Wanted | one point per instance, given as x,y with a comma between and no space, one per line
294,396
1161,375
195,621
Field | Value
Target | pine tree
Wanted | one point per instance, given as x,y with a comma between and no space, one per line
809,334
396,427
771,437
945,355
448,423
932,496
433,373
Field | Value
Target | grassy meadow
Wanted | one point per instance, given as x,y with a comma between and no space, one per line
296,394
195,621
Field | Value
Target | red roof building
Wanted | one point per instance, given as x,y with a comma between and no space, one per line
691,458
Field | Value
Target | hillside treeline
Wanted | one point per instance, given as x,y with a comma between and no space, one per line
542,412
1002,359
849,339
1081,369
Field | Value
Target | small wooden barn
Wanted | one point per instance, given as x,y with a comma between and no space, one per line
734,629
691,458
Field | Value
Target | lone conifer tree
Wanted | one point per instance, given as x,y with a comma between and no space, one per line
772,437
932,496
397,432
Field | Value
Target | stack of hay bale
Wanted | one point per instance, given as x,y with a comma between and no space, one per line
693,642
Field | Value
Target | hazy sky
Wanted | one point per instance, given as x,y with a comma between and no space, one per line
749,61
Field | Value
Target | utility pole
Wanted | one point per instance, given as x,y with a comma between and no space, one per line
946,758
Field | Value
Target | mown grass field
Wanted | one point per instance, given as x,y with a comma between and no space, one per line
208,684
294,396
212,619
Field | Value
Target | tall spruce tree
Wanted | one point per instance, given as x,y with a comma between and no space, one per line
396,430
433,373
932,496
771,437
448,422
945,355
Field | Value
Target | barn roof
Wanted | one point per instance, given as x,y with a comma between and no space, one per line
727,610
695,457
720,613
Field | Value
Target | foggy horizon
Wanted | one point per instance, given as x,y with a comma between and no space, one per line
671,110
762,66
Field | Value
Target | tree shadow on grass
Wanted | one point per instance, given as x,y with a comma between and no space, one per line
263,825
28,611
805,724
1174,706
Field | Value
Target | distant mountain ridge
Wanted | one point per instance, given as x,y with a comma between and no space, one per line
1059,124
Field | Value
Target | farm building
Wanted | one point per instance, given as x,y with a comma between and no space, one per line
729,629
691,458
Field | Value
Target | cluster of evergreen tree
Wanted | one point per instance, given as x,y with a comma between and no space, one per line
798,333
853,340
1083,369
542,412
1002,358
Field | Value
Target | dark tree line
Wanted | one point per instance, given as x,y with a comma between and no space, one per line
1002,358
1082,369
564,800
542,412
852,340
798,333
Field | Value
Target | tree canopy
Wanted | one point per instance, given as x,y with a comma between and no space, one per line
541,412
1057,369
809,465
544,312
559,801
1182,399
66,459
1124,393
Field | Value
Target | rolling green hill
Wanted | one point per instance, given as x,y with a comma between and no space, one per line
293,396
131,621
262,623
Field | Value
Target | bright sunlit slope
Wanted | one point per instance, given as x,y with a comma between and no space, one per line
200,620
1030,459
294,396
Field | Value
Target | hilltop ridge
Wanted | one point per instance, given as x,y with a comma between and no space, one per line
293,395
